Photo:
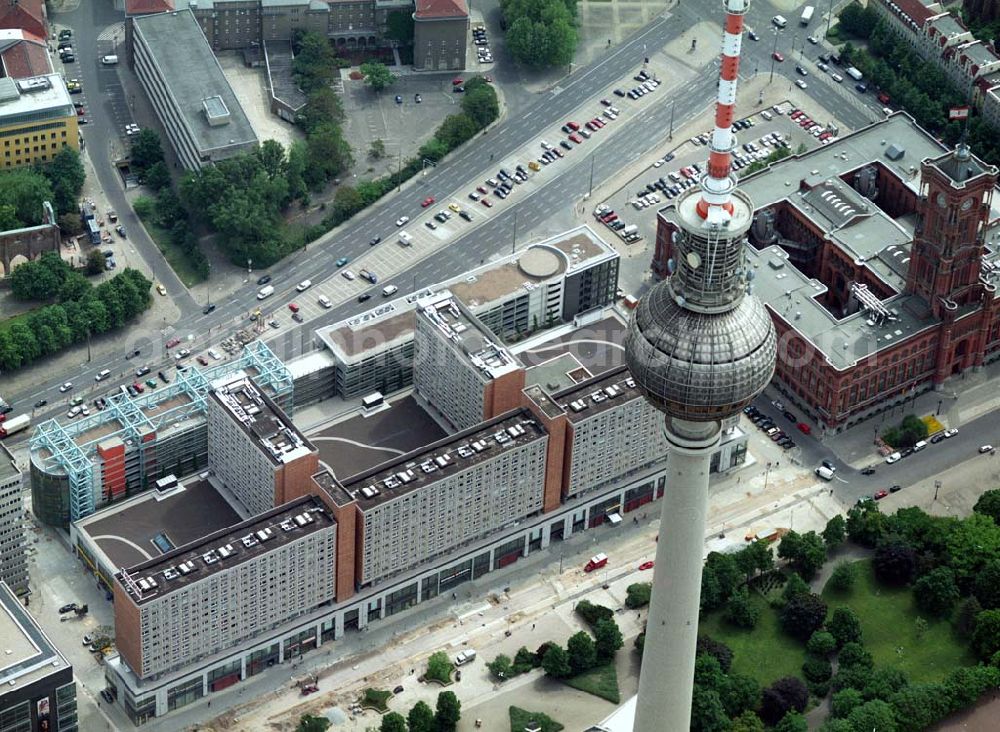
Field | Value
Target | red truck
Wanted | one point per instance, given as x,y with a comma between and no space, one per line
596,562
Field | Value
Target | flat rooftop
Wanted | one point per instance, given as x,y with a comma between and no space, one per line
266,426
147,526
26,654
372,332
224,549
584,400
562,358
191,73
469,338
34,98
455,453
360,443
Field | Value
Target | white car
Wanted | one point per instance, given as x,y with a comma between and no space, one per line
402,220
894,457
214,354
800,84
813,40
183,353
658,163
66,387
986,448
74,412
951,432
347,275
303,285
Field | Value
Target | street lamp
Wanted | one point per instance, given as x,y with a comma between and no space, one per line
774,50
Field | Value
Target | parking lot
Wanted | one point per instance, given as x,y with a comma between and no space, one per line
679,167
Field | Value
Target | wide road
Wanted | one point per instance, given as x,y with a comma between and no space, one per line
565,187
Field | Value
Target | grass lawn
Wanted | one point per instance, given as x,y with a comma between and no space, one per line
888,621
174,256
376,699
765,653
7,322
519,719
600,681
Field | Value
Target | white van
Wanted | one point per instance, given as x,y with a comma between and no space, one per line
920,445
779,21
324,301
265,292
853,73
824,472
405,239
103,375
465,657
630,229
109,60
767,115
389,290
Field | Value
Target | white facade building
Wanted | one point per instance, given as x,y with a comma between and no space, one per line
13,563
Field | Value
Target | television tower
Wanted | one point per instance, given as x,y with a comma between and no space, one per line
700,348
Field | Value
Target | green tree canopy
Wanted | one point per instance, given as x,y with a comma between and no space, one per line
147,150
314,66
895,561
741,611
986,637
500,667
399,26
309,723
556,662
66,175
480,103
421,718
540,33
936,592
835,532
393,722
377,75
638,594
707,712
803,615
582,652
844,626
24,190
607,639
805,552
989,504
449,711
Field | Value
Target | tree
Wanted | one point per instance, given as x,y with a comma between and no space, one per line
39,279
449,711
854,654
857,20
74,287
895,561
456,129
821,643
346,202
986,637
965,616
885,681
581,651
792,722
739,694
146,150
95,261
740,611
919,706
69,223
707,712
986,586
844,701
726,572
524,661
66,175
794,585
843,576
971,545
556,662
638,594
592,612
24,191
323,105
500,667
157,176
747,722
989,505
607,639
480,103
936,592
803,615
377,75
399,26
421,718
393,722
755,557
377,150
329,153
439,666
315,62
844,626
805,552
835,532
540,33
875,714
309,723
817,669
784,695
865,523
722,653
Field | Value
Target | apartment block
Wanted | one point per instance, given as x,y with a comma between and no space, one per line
13,562
461,370
427,504
229,24
248,579
38,688
440,35
37,120
254,450
190,94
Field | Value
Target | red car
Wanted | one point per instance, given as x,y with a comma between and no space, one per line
795,114
576,138
202,360
173,342
804,428
138,387
427,202
293,307
456,82
598,122
646,565
80,111
486,202
777,56
880,494
482,189
573,126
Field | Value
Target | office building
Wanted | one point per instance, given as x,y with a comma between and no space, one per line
255,452
462,373
38,688
440,35
190,94
249,578
859,274
37,119
555,281
13,562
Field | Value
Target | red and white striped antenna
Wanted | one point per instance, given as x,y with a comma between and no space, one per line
717,185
